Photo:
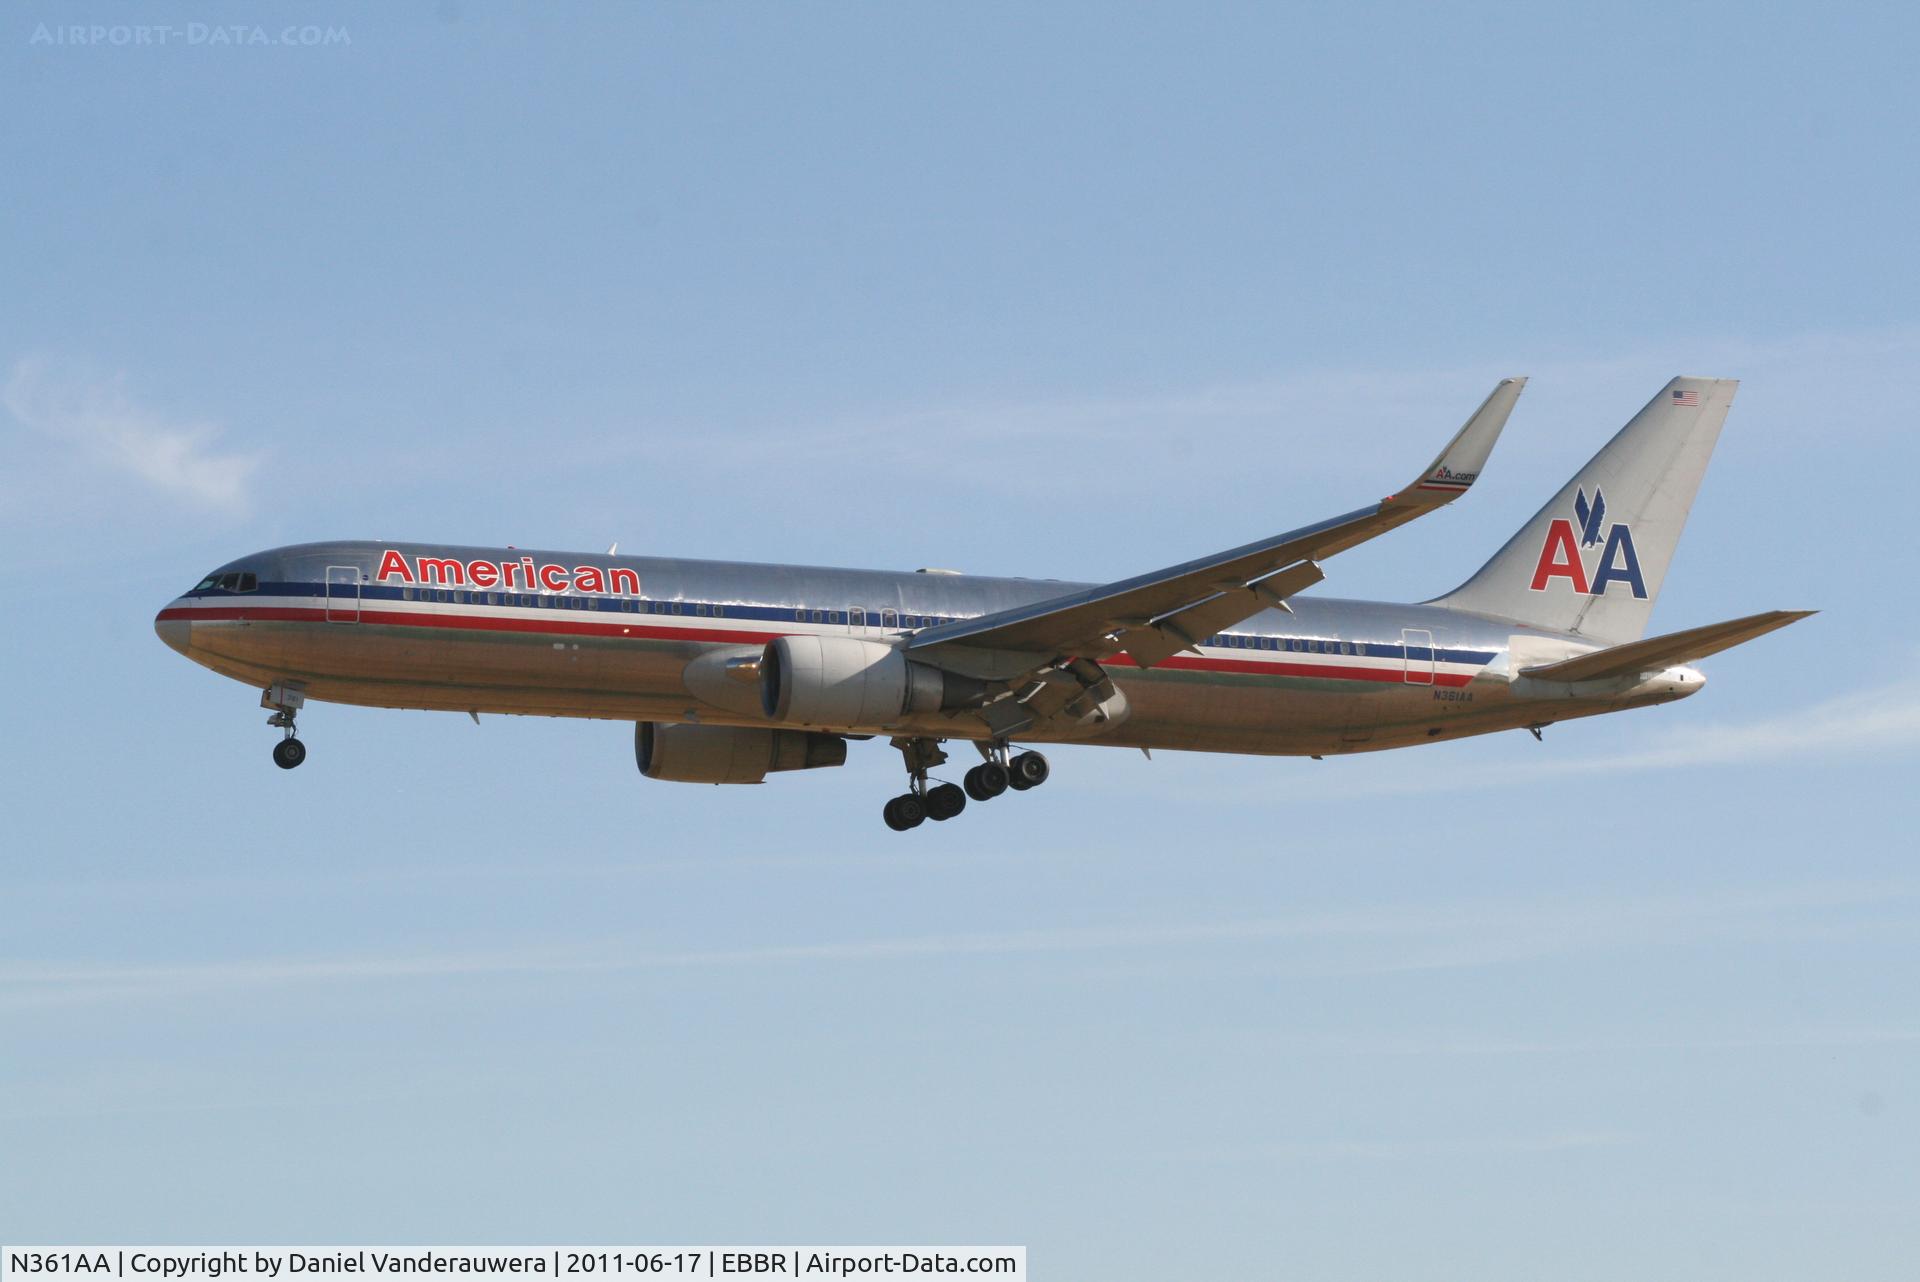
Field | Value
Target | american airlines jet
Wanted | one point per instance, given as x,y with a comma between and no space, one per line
733,671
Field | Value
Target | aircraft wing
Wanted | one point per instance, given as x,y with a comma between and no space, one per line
1153,616
1655,653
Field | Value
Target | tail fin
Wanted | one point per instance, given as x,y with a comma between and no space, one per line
1592,560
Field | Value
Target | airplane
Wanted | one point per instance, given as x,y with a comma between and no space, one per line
734,671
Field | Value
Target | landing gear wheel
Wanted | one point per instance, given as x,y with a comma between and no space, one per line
289,753
1029,770
986,781
945,801
904,811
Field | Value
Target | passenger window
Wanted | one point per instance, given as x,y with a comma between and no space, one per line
889,619
700,610
406,594
719,611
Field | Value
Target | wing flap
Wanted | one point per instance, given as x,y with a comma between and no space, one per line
1656,653
1164,637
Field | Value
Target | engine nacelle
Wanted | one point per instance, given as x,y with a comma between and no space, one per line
847,681
730,754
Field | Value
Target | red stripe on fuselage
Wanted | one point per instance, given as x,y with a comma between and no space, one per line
583,627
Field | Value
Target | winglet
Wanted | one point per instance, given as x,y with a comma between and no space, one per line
1459,464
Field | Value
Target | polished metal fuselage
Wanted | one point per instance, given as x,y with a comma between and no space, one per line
1331,676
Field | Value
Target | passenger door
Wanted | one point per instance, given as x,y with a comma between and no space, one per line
1417,643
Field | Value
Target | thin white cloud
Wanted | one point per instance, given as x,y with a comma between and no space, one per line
96,418
1276,420
1404,1148
1877,721
1371,940
1880,720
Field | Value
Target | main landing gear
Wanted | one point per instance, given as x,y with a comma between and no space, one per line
286,702
923,801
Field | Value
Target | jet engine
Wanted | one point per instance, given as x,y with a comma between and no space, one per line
730,754
847,681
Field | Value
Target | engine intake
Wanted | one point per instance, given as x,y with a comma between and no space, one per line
847,681
729,754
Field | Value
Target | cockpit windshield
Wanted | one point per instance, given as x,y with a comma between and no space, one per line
232,581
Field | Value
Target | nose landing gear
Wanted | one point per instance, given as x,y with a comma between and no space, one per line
940,802
285,701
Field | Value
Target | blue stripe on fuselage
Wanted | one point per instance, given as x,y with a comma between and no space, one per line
1284,643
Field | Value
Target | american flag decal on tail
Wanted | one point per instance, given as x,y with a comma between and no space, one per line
1686,398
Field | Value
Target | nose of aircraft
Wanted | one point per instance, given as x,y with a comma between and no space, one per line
177,633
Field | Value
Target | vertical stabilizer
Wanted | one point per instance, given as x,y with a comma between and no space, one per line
1593,559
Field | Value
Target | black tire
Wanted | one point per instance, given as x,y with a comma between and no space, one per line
945,801
289,753
904,812
986,781
1029,770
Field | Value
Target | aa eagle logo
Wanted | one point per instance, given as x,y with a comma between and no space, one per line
1562,555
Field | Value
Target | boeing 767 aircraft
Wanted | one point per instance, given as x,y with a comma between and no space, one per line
732,671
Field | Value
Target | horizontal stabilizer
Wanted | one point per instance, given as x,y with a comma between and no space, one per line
1657,653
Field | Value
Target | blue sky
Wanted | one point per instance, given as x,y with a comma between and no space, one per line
1075,292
